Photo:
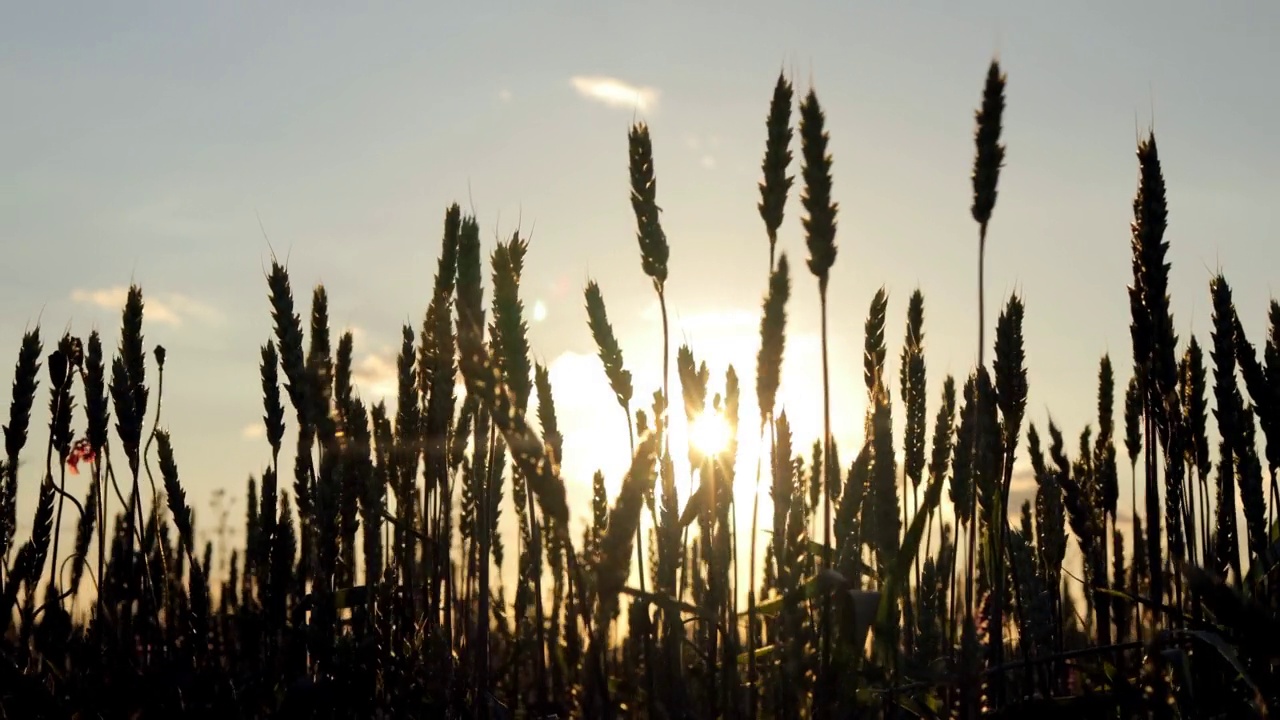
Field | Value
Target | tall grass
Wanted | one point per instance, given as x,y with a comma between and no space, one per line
368,585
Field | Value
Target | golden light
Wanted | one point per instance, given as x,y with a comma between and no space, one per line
710,433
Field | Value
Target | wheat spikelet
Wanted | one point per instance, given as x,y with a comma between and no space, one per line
1227,394
912,381
777,157
773,338
820,222
644,187
607,346
25,380
989,157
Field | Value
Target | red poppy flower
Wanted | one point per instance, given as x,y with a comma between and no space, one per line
81,451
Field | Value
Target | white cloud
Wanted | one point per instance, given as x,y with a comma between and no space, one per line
358,334
376,377
172,309
614,92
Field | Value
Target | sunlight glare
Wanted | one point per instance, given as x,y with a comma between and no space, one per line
710,433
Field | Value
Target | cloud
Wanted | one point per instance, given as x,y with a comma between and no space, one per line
614,92
504,95
253,431
708,162
1023,480
172,309
376,377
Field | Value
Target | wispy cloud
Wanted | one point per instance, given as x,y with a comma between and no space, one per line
375,376
172,309
614,92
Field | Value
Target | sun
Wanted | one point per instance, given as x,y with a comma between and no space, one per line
710,433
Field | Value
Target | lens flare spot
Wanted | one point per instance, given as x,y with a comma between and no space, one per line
710,433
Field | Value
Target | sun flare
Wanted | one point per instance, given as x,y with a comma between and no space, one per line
710,433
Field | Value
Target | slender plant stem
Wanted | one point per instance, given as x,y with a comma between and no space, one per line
822,696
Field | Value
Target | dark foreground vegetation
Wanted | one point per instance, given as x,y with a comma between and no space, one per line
365,584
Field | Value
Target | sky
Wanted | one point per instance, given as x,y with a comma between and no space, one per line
178,145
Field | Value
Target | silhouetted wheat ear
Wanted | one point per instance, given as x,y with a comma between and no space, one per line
881,511
1153,336
874,350
288,330
25,381
1051,539
84,533
128,380
132,352
528,452
820,220
547,413
509,330
1105,452
1196,407
29,563
773,338
988,451
97,411
912,380
624,519
175,495
777,157
607,346
1011,377
989,157
943,429
273,410
644,187
1133,418
1121,611
1226,554
961,489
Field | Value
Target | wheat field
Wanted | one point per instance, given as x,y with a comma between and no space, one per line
899,580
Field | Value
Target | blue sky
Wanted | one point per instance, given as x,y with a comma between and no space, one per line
144,143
